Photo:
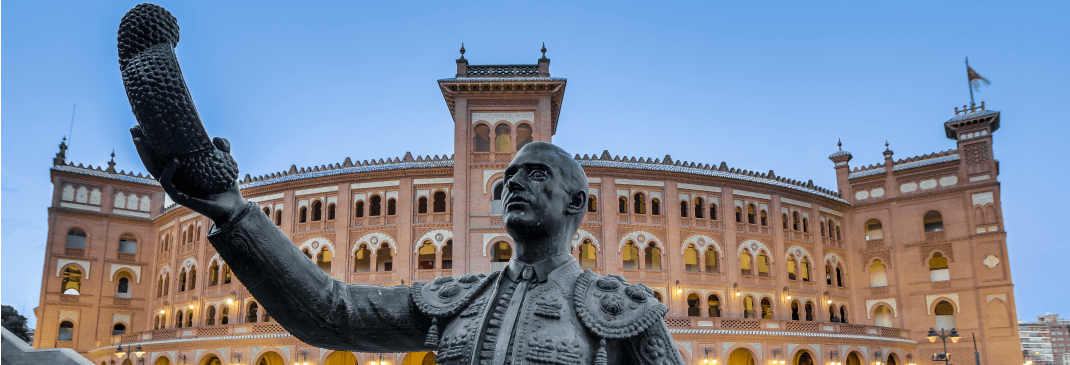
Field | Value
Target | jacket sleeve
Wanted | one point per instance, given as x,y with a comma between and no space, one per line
654,346
316,308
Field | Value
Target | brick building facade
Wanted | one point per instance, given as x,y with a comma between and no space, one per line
754,267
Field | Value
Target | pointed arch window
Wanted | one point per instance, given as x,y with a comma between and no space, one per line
182,281
714,304
421,205
784,219
745,262
810,311
764,218
713,211
791,268
795,221
655,206
748,307
752,214
178,319
252,314
391,207
622,205
384,258
698,207
683,209
630,256
375,206
767,308
76,238
523,136
323,260
712,260
882,316
426,257
806,225
481,139
693,309
945,315
278,217
192,277
843,313
447,255
691,260
330,211
66,331
439,204
873,230
302,215
317,210
839,275
226,274
224,318
72,281
122,290
209,316
362,259
795,315
640,203
938,269
804,269
653,256
763,264
213,274
592,204
739,215
502,141
358,209
588,255
933,222
878,276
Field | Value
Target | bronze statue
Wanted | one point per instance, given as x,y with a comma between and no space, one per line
542,308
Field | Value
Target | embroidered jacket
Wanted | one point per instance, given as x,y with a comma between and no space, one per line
573,317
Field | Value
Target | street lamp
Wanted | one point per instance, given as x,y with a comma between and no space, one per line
834,358
137,352
932,336
304,356
707,359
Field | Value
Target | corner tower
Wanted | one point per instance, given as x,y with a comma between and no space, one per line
496,109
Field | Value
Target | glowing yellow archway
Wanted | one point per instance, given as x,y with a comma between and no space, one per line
419,358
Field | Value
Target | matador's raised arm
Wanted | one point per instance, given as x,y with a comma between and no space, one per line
200,174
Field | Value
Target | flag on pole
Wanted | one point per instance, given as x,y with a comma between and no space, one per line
975,78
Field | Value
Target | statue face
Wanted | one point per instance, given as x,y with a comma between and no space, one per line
536,195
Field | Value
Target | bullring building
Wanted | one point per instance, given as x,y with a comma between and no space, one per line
755,268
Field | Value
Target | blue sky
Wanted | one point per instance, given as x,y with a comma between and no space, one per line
761,85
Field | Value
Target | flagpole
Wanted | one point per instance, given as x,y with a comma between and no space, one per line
968,85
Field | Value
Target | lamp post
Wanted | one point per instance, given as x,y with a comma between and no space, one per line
778,357
707,360
304,356
237,358
137,352
953,335
834,358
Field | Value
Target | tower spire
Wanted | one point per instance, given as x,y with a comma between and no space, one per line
462,50
544,50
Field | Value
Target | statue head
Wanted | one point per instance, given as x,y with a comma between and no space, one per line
544,200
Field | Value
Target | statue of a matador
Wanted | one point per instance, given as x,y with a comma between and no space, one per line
541,309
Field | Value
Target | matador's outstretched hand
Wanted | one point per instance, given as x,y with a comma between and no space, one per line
196,171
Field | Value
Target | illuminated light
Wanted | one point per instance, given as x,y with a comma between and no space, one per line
191,306
119,352
789,297
830,301
162,312
139,352
230,301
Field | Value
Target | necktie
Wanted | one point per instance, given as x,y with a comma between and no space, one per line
505,337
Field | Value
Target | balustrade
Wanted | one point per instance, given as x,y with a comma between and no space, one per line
771,325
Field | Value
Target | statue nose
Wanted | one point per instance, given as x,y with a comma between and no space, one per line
514,185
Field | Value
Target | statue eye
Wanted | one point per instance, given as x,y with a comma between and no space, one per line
538,174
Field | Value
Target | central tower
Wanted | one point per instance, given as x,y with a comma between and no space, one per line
496,109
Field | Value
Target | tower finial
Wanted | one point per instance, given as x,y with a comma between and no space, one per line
886,144
111,164
839,144
113,155
462,50
887,151
543,49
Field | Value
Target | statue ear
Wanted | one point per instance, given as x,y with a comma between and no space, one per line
578,202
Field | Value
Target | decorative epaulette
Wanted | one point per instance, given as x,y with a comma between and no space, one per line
613,309
446,296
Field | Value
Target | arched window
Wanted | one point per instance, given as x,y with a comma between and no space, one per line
226,274
159,287
358,209
251,315
192,277
447,255
481,140
653,256
764,218
317,210
640,203
822,229
503,252
209,316
810,311
421,205
713,211
763,264
830,230
362,259
156,322
714,304
839,275
795,315
784,219
72,281
213,274
330,211
739,215
748,307
945,316
267,316
391,206
832,314
592,204
182,281
791,267
76,238
806,225
882,316
691,260
712,260
189,318
745,262
118,329
224,318
178,319
767,309
123,288
828,273
375,206
66,331
588,254
323,260
698,207
683,209
630,256
934,222
384,258
622,205
655,206
752,214
127,244
843,313
523,136
838,232
496,199
502,141
166,284
426,256
302,215
267,211
795,221
658,297
878,276
938,269
804,269
439,204
873,230
693,309
278,217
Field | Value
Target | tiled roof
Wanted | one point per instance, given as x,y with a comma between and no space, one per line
905,166
703,172
350,170
958,118
500,79
85,171
839,153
